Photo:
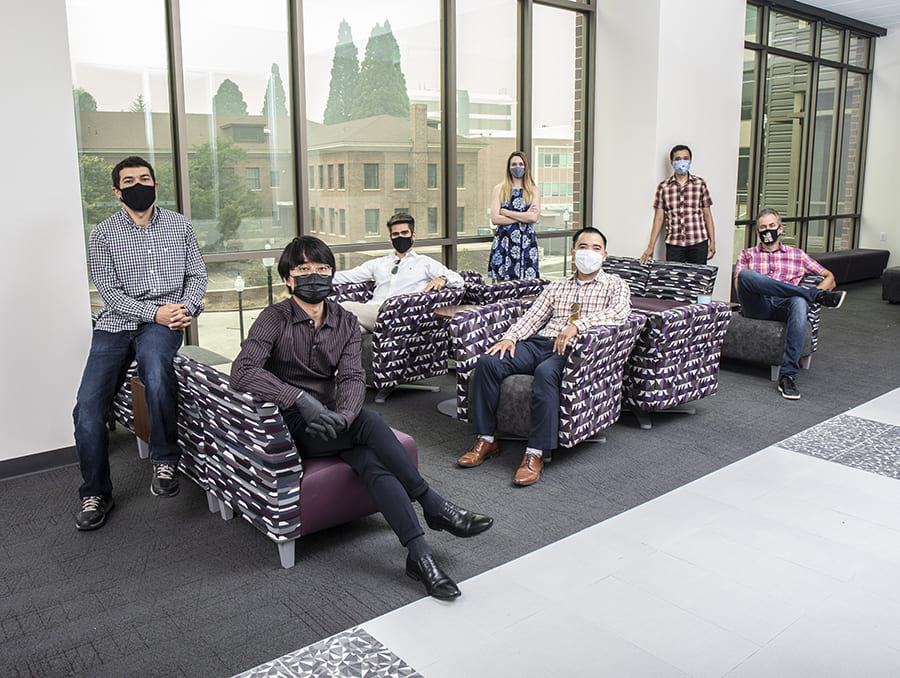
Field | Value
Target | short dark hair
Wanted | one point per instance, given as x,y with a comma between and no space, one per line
679,147
766,212
131,161
588,229
402,218
304,250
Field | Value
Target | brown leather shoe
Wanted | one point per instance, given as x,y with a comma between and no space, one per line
529,470
480,451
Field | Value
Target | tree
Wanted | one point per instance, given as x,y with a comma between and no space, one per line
218,193
381,88
229,100
97,198
275,98
344,77
84,101
139,105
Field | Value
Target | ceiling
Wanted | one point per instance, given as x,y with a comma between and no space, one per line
884,13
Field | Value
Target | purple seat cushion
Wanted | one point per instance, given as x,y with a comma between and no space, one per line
332,494
654,304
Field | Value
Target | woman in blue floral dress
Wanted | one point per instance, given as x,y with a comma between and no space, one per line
515,208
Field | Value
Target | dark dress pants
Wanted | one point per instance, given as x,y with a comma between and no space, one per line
378,458
533,356
697,253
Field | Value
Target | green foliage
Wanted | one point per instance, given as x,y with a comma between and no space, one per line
97,198
344,77
84,100
229,100
382,87
139,105
275,94
218,193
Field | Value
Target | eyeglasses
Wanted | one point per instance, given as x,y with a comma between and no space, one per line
394,270
306,269
574,310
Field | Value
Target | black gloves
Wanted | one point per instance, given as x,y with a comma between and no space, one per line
320,421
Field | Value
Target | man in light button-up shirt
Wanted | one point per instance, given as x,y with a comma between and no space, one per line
402,272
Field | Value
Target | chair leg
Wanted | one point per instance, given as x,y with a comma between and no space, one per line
225,510
776,370
211,502
143,448
642,417
286,553
805,361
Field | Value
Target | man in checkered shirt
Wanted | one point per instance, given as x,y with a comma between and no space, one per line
767,279
146,265
682,204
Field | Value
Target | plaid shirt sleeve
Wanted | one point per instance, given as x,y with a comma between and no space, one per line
195,279
612,297
535,317
812,266
742,262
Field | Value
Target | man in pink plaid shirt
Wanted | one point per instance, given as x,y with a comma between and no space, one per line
767,279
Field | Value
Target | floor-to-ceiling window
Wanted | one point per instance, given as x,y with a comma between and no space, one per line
282,117
803,125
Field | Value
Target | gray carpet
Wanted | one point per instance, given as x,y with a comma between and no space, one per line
166,588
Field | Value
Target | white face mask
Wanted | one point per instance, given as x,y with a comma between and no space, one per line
588,261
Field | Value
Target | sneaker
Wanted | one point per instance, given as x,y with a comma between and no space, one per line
165,480
93,512
788,388
832,299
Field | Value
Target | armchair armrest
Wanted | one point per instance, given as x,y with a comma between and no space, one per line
505,289
591,390
353,291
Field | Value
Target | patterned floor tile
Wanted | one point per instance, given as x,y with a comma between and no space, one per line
351,654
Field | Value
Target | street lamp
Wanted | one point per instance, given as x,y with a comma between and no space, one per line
239,288
269,262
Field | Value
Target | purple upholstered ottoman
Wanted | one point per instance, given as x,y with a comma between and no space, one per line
332,494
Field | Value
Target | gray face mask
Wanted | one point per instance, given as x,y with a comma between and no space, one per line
517,172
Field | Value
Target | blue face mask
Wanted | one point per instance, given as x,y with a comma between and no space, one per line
517,172
681,166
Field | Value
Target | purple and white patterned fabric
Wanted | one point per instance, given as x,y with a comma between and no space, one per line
353,291
630,270
679,281
505,289
676,358
591,389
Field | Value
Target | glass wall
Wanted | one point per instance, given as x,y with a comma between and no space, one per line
803,128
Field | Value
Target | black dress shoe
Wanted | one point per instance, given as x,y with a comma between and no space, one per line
93,512
436,581
458,521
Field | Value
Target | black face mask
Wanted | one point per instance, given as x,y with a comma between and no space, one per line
769,236
312,288
139,197
402,243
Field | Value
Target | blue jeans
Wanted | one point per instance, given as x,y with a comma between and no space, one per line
765,298
697,253
154,346
533,356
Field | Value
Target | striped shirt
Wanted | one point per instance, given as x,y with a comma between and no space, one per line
604,300
683,207
284,354
138,269
787,264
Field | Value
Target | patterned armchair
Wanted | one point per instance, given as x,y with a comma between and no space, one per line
663,279
675,359
253,467
590,395
505,289
409,342
762,341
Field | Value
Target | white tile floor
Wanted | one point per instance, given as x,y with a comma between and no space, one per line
782,564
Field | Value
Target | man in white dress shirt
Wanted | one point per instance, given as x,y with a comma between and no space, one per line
402,272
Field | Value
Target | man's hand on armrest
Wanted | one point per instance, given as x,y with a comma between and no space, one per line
563,338
436,284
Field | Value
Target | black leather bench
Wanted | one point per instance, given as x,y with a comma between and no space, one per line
852,265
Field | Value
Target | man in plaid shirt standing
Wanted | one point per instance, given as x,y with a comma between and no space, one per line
538,344
147,267
767,279
682,204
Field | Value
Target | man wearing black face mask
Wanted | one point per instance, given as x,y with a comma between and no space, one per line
767,279
148,270
403,272
303,354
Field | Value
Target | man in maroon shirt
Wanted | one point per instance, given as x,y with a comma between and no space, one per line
303,354
767,280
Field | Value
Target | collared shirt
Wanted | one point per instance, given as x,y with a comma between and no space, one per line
787,264
414,271
284,354
138,269
683,206
604,300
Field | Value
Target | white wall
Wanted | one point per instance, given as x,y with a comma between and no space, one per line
880,211
668,72
43,281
